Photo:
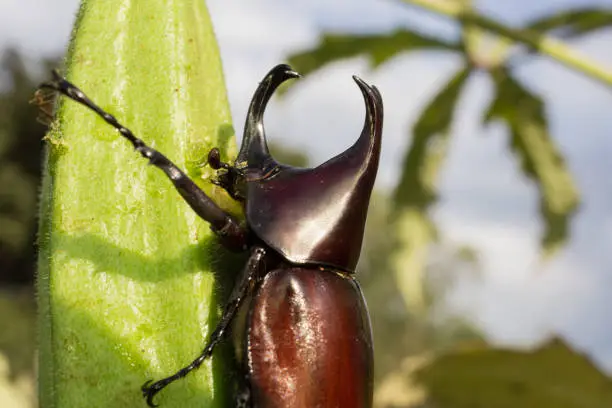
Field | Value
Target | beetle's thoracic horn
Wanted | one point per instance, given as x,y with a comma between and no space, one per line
311,215
254,149
362,157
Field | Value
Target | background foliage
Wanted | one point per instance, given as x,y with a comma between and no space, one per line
426,357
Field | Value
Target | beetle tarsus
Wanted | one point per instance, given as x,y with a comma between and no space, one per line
148,392
44,100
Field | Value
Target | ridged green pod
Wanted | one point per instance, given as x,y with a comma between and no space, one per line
125,285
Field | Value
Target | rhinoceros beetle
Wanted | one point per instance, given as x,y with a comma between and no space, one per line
306,336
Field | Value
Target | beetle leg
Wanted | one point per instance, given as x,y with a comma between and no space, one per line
226,227
243,399
241,290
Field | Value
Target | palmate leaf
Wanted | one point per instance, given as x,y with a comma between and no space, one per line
416,191
540,158
427,148
379,48
573,22
554,375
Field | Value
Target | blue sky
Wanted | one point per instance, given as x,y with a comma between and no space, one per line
485,201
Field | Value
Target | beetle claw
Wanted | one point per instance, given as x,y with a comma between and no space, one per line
149,392
56,83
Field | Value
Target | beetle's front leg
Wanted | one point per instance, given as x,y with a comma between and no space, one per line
242,289
231,233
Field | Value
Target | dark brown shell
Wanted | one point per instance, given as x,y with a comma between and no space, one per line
315,215
309,341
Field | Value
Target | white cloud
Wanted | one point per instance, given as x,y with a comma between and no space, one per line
38,27
520,299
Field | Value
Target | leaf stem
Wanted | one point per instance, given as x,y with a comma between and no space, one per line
545,45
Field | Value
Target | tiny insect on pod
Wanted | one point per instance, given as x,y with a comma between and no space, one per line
296,310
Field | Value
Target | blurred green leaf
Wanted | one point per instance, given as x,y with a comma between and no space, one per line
20,168
17,207
428,147
17,328
552,376
415,192
379,48
574,22
399,388
541,161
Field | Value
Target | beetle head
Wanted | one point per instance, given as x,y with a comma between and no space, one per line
316,215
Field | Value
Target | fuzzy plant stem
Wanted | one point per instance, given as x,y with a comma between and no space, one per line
126,282
545,45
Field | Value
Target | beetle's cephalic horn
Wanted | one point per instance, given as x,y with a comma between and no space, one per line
254,149
314,215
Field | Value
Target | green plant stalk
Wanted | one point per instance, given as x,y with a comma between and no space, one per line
545,45
125,282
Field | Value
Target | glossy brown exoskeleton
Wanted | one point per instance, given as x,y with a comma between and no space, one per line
304,331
